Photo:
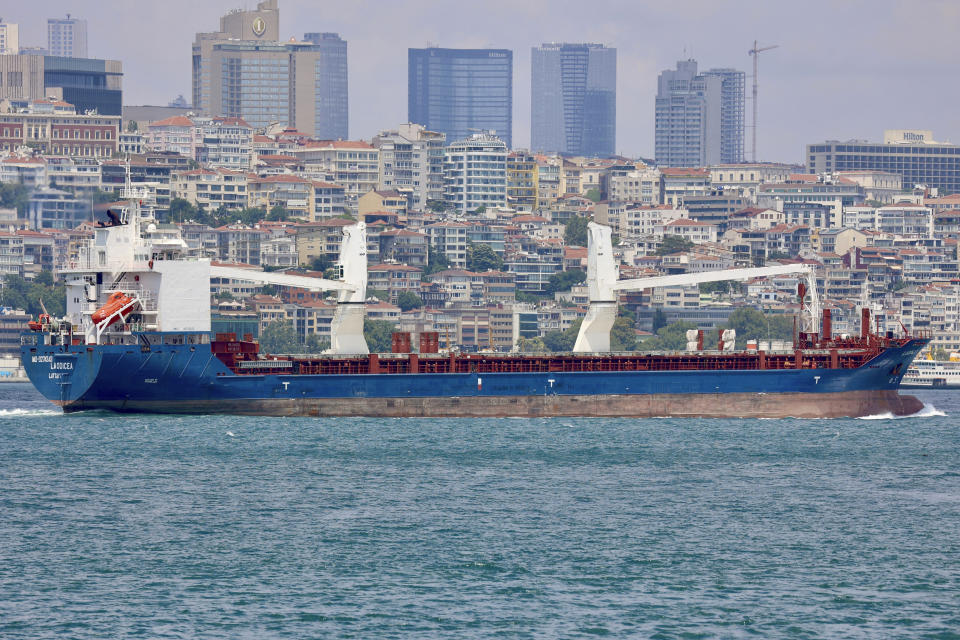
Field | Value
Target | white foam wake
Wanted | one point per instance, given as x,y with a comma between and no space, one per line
16,413
928,411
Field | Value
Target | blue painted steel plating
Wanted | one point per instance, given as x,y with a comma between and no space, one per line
109,375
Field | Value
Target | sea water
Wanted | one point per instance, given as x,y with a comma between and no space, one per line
141,526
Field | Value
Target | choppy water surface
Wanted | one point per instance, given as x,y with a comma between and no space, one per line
201,527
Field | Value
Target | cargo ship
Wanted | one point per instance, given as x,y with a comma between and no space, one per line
136,337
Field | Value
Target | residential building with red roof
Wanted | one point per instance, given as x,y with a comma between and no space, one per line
59,130
354,164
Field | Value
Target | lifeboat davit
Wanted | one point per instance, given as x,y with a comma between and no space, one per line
115,302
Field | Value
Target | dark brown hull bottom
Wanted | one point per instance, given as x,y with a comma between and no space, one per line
726,405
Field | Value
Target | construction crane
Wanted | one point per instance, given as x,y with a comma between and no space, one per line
755,52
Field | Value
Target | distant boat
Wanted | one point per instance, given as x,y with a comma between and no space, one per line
932,374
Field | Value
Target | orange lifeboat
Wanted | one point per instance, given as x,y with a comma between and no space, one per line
39,323
115,302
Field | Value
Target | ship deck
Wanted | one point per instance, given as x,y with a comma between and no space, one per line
242,358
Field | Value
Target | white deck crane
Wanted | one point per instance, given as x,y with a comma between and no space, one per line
346,330
603,286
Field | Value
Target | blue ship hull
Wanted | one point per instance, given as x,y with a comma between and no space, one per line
189,378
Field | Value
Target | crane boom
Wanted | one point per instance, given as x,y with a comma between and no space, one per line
685,279
603,285
281,279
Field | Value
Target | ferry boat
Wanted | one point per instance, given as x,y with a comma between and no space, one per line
932,374
136,338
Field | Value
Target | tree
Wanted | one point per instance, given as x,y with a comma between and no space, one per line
575,231
564,280
379,294
673,244
659,319
752,324
277,213
527,297
482,257
321,263
593,194
181,210
623,337
436,261
224,295
132,126
280,337
672,337
379,335
721,286
316,344
531,345
20,293
778,255
15,196
269,289
409,300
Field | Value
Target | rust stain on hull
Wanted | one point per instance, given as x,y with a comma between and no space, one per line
727,405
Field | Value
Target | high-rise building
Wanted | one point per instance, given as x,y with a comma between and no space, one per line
475,173
732,109
244,71
411,162
9,37
458,92
330,75
67,37
911,153
87,83
574,99
699,117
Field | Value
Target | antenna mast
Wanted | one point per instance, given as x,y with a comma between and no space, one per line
755,52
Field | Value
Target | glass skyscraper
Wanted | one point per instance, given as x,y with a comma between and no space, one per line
330,89
574,99
459,92
254,87
244,71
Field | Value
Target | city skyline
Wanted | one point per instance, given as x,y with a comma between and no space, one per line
799,83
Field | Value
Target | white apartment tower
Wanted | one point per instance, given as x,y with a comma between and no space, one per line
9,38
475,173
411,162
67,37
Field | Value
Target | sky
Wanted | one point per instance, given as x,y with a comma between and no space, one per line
842,69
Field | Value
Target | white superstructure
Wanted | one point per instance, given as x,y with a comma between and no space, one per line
163,290
935,374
